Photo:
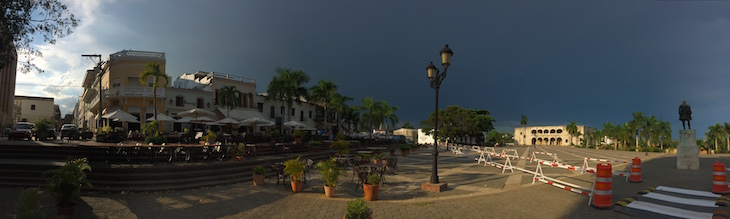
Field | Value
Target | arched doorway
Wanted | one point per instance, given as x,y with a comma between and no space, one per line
560,141
552,141
534,140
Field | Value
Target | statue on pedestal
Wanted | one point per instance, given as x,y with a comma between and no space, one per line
685,114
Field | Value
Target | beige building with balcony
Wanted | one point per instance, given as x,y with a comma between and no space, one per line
121,89
548,135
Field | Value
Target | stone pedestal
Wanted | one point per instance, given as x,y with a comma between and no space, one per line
438,187
687,150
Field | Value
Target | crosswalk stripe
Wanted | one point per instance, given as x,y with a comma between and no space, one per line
689,201
676,212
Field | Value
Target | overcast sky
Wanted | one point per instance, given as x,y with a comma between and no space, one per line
554,61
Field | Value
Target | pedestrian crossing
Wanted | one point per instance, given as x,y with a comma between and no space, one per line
669,202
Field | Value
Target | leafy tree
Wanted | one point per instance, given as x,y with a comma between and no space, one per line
287,87
389,115
636,125
322,94
611,132
371,115
664,129
407,125
351,117
337,104
153,70
23,20
229,96
716,131
572,129
456,122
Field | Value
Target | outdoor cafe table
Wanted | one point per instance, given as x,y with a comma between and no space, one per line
375,169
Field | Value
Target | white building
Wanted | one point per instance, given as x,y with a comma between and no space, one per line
32,109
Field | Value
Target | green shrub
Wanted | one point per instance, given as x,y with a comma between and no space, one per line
341,147
330,172
373,179
155,139
259,170
298,134
294,168
357,209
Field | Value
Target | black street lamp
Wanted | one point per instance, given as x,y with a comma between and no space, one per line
435,77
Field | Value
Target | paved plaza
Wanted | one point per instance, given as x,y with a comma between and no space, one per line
474,191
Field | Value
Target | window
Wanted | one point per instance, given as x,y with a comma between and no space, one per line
273,109
301,115
179,101
150,81
117,82
282,110
310,114
32,107
293,111
200,103
215,96
260,107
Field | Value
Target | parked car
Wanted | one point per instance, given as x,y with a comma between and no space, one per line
21,130
69,131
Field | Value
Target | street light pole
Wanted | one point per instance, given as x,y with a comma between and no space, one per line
436,78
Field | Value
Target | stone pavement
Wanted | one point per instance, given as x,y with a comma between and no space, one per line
474,191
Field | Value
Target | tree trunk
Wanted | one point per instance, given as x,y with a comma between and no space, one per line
154,102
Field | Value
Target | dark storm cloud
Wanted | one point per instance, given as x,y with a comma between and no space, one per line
556,62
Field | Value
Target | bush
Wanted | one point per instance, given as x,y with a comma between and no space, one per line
210,137
357,209
373,179
329,170
341,147
298,134
155,139
43,124
294,168
259,170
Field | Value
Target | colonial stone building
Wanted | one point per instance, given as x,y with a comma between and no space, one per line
548,135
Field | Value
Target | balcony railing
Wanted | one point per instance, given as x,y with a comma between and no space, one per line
134,92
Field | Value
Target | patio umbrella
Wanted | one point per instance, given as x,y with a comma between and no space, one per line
120,116
196,112
295,125
257,122
201,119
184,119
161,118
227,120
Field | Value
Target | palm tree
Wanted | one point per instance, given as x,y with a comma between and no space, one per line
610,131
153,70
351,117
389,115
371,113
407,125
665,132
715,131
636,125
337,103
649,125
523,122
322,94
572,129
229,96
287,87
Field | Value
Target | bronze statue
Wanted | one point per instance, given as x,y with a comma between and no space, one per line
685,114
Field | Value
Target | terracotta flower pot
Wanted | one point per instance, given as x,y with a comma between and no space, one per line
296,186
403,153
68,212
298,140
258,180
329,191
375,161
371,191
239,158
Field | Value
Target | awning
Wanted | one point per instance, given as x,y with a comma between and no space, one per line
241,114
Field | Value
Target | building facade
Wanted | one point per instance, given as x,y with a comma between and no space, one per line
548,135
7,89
119,79
32,109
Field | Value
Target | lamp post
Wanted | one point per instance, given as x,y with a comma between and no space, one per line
436,77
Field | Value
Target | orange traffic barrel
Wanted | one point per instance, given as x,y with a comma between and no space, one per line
719,178
602,188
635,170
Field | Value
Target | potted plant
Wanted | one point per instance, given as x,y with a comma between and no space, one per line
391,151
357,209
340,147
364,158
298,135
42,129
86,133
240,152
316,146
330,172
65,184
371,186
413,148
208,138
376,158
404,150
274,136
258,175
295,169
102,134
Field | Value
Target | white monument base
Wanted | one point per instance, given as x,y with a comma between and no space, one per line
687,151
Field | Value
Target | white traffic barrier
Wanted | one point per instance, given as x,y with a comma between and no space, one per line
560,165
539,176
587,168
489,149
553,155
511,153
484,157
506,166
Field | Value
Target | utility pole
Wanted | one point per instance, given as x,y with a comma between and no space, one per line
99,65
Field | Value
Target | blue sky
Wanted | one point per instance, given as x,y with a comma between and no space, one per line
554,61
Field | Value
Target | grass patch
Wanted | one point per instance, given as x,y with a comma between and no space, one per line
424,204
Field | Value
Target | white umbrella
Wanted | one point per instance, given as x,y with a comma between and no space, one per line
201,119
256,121
227,120
120,116
295,124
184,120
196,112
161,118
